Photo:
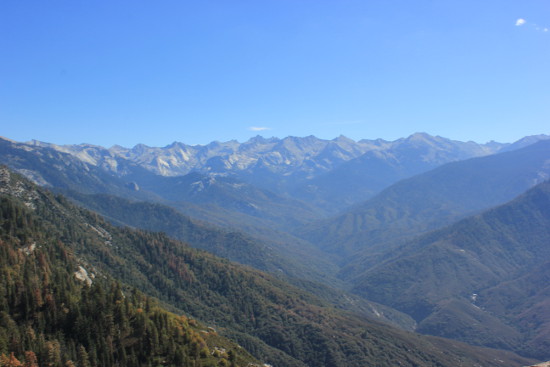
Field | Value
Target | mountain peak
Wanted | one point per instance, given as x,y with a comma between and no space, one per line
420,136
174,145
140,146
258,139
343,139
6,139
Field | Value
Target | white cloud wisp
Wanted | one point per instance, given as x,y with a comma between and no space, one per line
257,128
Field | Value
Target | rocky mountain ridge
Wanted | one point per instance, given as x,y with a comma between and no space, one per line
309,169
309,156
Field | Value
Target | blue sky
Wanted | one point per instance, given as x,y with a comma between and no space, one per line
154,72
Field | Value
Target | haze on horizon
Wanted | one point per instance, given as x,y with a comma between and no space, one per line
128,72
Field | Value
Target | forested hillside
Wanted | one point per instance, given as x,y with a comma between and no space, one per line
483,280
238,247
276,322
428,201
221,202
54,313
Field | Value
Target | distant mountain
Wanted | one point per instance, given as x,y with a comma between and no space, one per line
273,164
329,174
220,200
483,280
360,178
523,142
91,169
276,322
55,169
291,156
428,201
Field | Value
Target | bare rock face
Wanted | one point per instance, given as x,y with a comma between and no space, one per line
10,185
82,275
133,186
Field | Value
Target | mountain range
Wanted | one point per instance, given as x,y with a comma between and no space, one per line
425,234
78,262
303,168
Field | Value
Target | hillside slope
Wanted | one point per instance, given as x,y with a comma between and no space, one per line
227,243
276,322
220,201
55,313
483,280
236,246
428,201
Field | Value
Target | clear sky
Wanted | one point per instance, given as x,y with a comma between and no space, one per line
125,72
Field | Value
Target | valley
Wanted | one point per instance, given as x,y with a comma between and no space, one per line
423,251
